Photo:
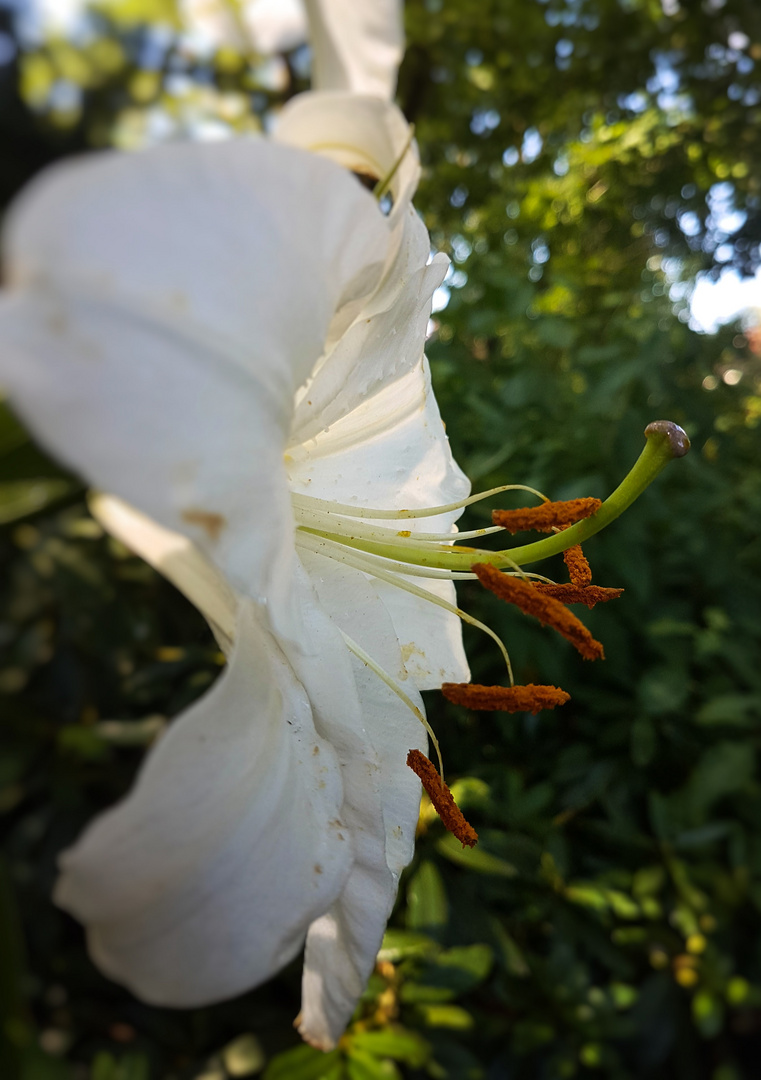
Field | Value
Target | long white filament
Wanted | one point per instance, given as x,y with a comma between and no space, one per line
337,526
306,539
369,566
325,506
392,684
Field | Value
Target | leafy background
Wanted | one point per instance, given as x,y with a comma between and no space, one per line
585,159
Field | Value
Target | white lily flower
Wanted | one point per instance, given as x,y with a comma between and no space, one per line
229,338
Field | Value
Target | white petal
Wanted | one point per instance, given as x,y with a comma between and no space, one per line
357,45
430,638
385,342
225,241
150,339
201,884
354,606
177,558
361,133
372,735
343,944
389,452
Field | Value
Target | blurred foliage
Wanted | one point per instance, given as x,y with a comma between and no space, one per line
583,161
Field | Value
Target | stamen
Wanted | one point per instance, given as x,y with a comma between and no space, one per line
544,608
530,698
335,526
327,507
548,516
578,568
392,684
451,816
576,594
334,549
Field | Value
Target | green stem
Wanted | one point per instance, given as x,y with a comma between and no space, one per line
384,183
665,441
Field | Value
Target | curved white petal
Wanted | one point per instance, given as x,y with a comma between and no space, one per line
177,558
203,237
357,45
389,452
384,343
343,944
361,133
430,638
149,336
202,883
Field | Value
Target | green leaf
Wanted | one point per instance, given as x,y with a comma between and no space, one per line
426,898
393,1042
643,741
361,1065
512,956
412,992
708,1013
475,960
739,709
588,895
401,944
302,1063
23,497
476,859
446,1016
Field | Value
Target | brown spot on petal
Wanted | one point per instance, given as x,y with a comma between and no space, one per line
212,524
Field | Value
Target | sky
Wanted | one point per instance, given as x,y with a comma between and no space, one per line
722,301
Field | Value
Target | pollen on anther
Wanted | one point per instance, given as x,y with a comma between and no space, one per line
530,698
578,594
441,797
579,570
545,608
548,516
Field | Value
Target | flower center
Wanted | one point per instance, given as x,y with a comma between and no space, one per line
356,537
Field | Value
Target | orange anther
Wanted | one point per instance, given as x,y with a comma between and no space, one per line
545,608
441,797
577,594
548,516
530,698
579,569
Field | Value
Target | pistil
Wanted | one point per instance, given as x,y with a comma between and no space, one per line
665,441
